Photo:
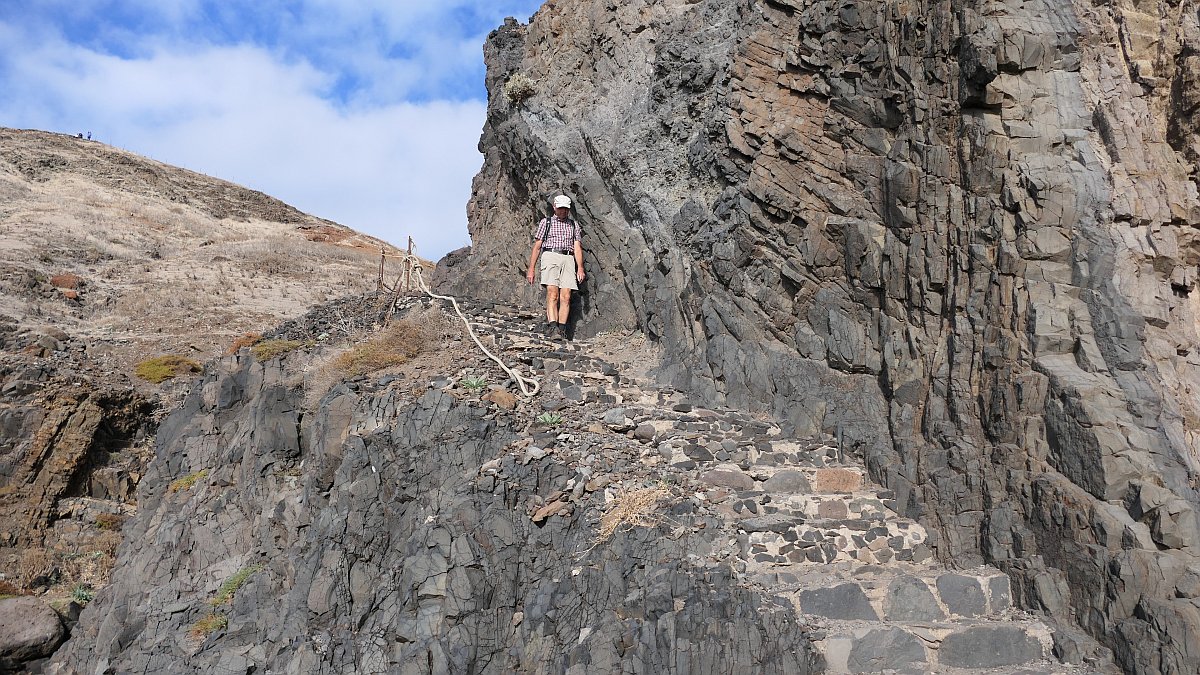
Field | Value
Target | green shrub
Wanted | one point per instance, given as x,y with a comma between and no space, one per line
186,482
82,594
549,419
162,368
232,584
269,349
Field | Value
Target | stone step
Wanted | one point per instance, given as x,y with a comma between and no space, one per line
1011,646
897,593
814,531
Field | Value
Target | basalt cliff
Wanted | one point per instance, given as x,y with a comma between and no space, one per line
962,237
886,362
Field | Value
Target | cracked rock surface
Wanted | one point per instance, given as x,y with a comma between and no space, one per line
960,237
606,524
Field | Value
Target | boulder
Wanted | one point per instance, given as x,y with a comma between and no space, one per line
29,630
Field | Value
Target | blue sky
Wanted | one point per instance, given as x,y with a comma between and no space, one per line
366,112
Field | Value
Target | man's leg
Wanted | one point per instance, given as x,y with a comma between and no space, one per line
564,305
552,304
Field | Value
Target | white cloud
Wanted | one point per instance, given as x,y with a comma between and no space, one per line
260,118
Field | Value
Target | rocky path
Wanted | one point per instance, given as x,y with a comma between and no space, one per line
803,522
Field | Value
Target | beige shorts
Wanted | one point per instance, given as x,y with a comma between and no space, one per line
558,270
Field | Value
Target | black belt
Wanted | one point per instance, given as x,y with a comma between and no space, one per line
564,251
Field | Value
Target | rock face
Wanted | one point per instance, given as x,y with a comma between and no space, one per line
381,533
403,526
963,237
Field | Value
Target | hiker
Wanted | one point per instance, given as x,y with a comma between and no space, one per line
557,242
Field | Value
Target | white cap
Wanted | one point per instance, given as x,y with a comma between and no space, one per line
562,201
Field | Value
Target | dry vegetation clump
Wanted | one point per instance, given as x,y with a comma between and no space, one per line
636,508
94,566
209,624
109,521
162,368
9,590
57,571
393,346
518,88
269,349
67,281
36,564
246,340
186,482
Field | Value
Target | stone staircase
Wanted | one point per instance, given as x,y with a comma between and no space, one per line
810,527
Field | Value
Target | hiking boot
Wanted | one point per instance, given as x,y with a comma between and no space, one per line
550,330
562,332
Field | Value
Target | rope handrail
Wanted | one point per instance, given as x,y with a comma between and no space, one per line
529,386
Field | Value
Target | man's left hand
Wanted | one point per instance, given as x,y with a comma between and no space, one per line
579,275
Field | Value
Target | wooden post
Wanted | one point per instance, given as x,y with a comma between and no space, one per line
382,257
408,264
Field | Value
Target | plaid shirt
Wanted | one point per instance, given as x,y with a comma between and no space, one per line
558,234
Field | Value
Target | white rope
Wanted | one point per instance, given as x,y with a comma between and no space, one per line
528,386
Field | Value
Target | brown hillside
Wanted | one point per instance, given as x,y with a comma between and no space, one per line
137,257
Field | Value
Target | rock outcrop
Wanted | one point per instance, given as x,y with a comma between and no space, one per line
963,237
393,531
604,525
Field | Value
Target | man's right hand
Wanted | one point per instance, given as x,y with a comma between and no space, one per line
529,276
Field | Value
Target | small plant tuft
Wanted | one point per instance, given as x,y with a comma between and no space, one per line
83,594
475,383
269,349
518,88
549,419
162,368
232,584
209,624
186,482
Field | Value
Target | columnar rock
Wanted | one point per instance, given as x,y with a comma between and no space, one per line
961,236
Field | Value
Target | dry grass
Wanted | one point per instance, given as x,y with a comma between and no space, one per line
636,508
163,277
109,521
9,590
208,624
35,563
393,346
245,340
